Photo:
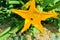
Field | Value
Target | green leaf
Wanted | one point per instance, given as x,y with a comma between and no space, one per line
55,22
56,1
21,2
11,32
59,29
57,9
8,29
0,3
49,20
59,23
47,2
37,1
14,2
21,38
57,5
11,6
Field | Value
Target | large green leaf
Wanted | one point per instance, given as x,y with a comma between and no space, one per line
57,5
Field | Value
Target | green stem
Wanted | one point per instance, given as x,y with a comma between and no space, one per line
14,2
22,2
55,6
8,29
11,32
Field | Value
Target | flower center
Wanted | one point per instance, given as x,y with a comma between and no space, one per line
31,18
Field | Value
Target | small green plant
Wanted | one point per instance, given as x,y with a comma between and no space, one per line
15,23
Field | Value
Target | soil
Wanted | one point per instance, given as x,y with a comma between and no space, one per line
50,31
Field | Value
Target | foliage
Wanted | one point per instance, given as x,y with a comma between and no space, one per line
13,20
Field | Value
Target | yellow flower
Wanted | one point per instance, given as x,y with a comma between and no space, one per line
34,17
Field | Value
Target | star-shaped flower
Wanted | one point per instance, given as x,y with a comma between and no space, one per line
34,17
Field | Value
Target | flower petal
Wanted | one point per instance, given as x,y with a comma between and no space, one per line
26,25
